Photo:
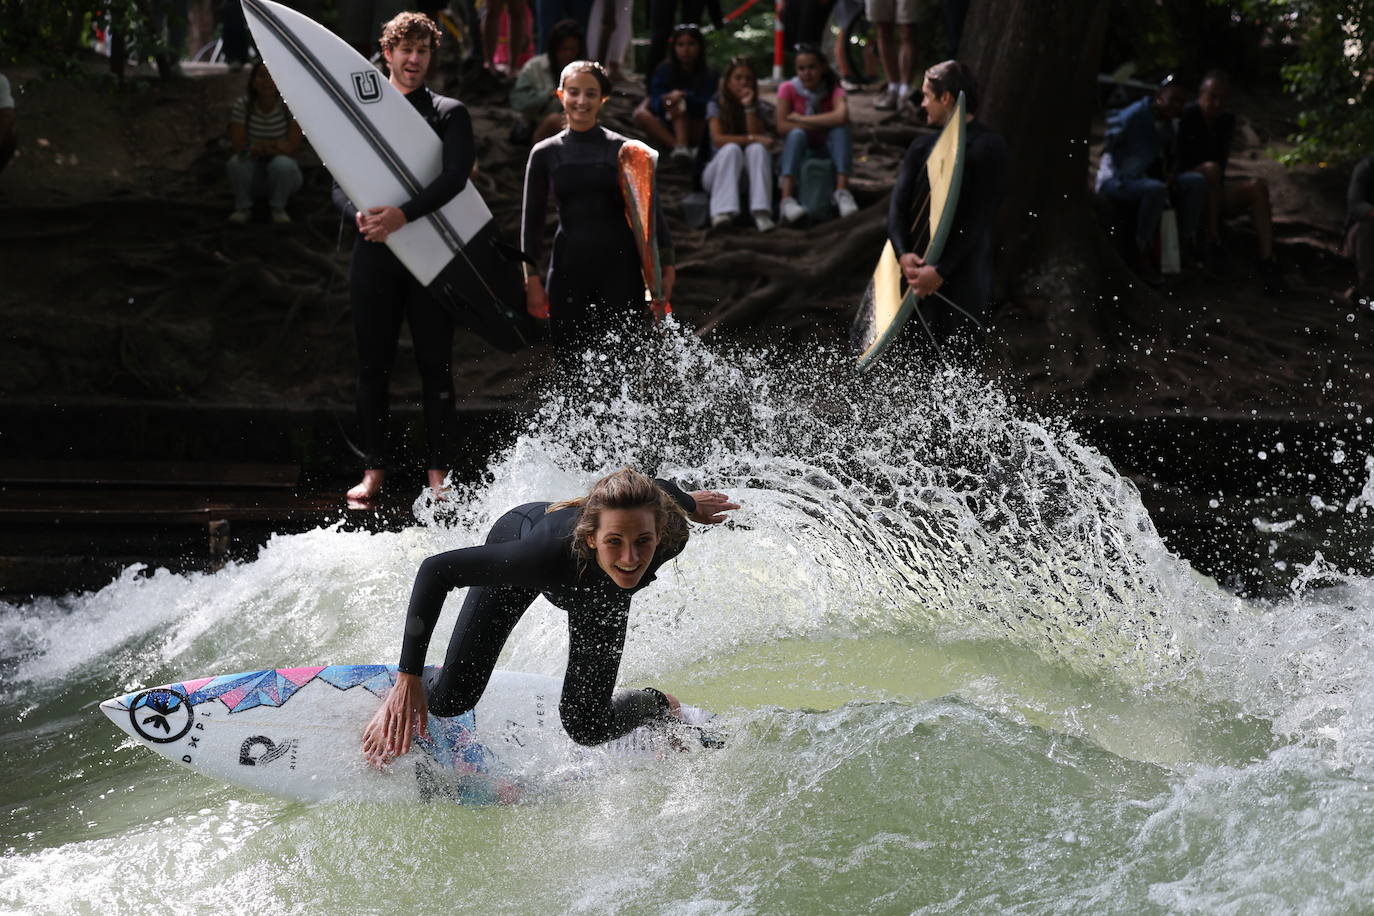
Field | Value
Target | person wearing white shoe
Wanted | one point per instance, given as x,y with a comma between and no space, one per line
891,19
673,114
741,144
813,116
845,202
792,212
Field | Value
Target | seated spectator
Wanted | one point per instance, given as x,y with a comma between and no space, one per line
738,121
1359,229
813,116
9,135
662,16
1135,168
265,139
1205,132
535,94
674,114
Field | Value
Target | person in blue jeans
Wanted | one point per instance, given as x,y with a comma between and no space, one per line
264,139
1137,165
813,114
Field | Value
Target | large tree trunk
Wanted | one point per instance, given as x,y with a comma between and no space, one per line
1036,62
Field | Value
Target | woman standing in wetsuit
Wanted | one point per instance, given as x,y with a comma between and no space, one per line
588,556
596,282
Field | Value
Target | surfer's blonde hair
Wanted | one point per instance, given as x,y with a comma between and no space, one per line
410,27
625,489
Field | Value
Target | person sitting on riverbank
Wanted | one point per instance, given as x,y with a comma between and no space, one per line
1136,168
673,115
264,138
1359,229
1205,133
739,123
813,117
588,556
535,94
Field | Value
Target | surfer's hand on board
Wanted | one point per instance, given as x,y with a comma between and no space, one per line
404,712
922,278
711,506
380,222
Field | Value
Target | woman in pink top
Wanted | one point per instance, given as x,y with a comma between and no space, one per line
813,114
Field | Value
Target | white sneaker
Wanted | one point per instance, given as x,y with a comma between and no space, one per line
845,201
722,219
792,212
763,221
682,153
281,217
887,99
239,217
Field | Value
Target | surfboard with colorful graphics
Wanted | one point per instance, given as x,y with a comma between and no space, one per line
296,733
887,302
638,184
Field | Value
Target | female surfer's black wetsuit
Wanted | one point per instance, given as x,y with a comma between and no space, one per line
383,292
529,551
595,282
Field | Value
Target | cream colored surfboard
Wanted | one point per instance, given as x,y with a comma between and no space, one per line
887,302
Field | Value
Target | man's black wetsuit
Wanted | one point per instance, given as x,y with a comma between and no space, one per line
966,262
383,292
529,551
595,282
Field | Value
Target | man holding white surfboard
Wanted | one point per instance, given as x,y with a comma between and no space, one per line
383,291
956,289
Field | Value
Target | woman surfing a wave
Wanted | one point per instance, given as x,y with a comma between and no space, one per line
588,556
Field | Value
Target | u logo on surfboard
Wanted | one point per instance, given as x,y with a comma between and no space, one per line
367,86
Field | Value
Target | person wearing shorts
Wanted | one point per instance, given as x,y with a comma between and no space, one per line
895,21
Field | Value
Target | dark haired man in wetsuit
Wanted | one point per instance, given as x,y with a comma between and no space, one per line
962,275
383,291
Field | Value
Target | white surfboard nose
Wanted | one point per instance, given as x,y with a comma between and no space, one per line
117,709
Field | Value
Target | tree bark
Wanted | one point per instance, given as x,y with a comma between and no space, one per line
1036,62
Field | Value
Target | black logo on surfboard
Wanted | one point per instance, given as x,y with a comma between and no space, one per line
161,716
367,86
260,750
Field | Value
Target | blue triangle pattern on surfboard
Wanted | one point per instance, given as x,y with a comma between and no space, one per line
376,678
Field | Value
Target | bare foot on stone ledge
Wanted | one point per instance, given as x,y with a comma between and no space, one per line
366,490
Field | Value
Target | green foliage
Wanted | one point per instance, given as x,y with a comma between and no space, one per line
1330,71
751,36
56,36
